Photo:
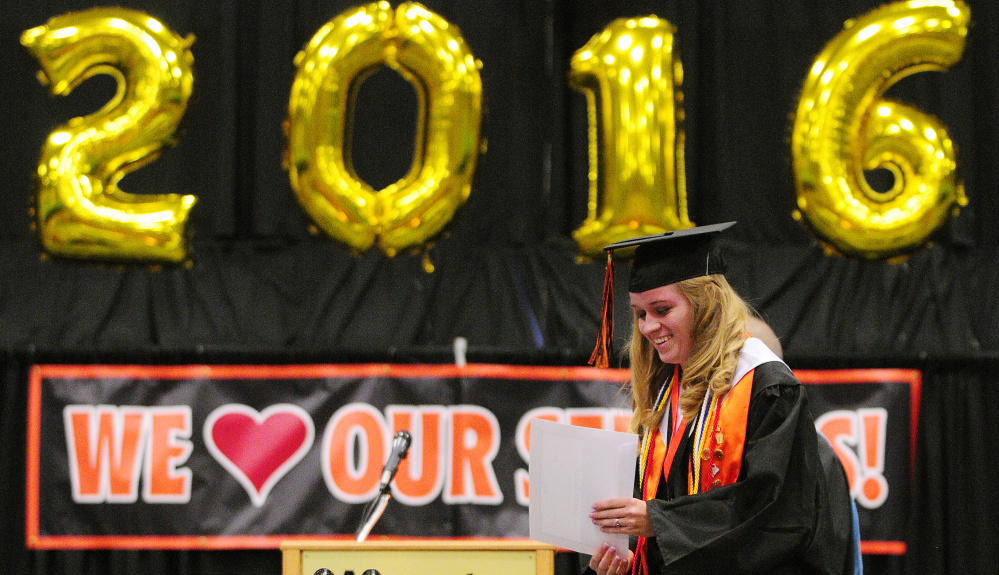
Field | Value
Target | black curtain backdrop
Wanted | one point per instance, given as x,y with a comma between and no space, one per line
262,289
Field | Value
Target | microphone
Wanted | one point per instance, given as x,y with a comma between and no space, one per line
400,446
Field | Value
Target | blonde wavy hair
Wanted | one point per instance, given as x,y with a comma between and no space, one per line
718,322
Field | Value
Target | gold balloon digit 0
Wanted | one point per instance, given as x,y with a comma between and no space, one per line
429,53
80,211
843,126
630,74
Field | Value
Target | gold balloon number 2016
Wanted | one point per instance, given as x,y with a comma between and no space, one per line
630,73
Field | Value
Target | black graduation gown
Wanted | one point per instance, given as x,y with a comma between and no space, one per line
788,512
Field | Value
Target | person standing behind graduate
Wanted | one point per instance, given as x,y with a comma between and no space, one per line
730,478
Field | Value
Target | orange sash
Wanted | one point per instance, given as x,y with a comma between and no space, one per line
721,449
719,441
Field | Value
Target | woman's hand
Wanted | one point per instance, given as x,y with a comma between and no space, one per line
606,561
623,515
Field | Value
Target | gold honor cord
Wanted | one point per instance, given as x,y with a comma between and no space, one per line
662,400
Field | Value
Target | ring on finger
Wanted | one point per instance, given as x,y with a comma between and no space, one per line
617,523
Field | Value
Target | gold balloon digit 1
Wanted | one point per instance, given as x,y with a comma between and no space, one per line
631,74
429,53
843,126
80,211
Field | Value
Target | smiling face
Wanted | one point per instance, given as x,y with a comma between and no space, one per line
663,316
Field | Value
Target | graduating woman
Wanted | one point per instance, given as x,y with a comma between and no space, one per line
732,476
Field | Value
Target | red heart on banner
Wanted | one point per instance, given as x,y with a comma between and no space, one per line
259,448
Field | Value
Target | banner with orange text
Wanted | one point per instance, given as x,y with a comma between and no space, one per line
222,457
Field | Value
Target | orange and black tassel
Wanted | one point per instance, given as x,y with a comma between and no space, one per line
602,352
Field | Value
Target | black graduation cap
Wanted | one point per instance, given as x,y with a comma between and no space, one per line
660,259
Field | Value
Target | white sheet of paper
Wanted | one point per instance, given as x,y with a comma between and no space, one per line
571,468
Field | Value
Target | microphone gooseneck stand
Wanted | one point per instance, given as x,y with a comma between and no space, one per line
373,511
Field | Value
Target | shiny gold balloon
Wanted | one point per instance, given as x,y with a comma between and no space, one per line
843,126
631,73
81,213
429,53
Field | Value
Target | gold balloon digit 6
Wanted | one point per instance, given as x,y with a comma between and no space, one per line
81,213
429,53
843,127
630,73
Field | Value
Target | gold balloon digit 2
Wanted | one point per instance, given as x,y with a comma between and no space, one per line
80,212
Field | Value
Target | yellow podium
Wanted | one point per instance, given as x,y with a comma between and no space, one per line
420,557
